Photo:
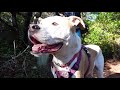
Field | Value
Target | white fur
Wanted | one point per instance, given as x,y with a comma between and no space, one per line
64,32
99,61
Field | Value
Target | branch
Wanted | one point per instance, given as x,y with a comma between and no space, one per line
14,45
20,53
7,62
24,67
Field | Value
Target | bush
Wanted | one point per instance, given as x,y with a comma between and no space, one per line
103,32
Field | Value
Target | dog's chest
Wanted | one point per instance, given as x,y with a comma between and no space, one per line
64,72
83,63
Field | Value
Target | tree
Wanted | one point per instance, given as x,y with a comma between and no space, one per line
14,26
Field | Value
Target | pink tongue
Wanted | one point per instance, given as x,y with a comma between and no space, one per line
43,48
38,47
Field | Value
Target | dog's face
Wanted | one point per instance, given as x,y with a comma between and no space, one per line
51,34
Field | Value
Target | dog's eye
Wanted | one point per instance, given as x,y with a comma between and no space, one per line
54,23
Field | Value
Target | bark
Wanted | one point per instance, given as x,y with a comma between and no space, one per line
14,20
12,33
26,25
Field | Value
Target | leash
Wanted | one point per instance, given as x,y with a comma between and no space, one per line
76,65
88,54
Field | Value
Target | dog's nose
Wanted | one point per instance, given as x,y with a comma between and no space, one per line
35,27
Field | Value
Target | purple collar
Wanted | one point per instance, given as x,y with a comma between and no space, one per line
75,67
67,64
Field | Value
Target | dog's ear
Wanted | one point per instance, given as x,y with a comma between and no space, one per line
77,21
39,18
36,20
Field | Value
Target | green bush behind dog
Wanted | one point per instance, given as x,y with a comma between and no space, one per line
104,31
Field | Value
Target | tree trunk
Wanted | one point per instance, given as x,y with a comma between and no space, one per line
26,25
14,20
12,33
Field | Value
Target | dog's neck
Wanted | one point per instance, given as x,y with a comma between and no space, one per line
67,52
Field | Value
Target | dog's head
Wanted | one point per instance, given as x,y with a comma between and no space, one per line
49,35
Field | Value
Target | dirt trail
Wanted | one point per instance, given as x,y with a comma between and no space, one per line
112,69
22,69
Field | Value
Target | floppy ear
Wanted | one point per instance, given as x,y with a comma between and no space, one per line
77,21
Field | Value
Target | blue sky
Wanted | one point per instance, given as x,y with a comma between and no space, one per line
91,16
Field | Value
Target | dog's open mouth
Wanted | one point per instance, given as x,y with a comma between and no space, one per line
39,47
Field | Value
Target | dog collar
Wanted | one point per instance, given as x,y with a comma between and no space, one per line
74,68
73,58
67,64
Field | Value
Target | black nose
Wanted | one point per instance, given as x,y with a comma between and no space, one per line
35,27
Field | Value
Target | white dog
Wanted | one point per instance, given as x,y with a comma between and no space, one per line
57,35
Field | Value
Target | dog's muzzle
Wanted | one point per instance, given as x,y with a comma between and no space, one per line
38,46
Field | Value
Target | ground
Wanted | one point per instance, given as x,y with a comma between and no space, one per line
26,67
112,69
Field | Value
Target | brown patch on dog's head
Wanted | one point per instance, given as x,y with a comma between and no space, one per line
77,21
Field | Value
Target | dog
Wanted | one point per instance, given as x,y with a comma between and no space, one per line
71,59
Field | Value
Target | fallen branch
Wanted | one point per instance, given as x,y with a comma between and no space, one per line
24,67
14,45
20,53
13,58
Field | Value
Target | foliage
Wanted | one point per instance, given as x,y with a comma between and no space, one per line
6,16
103,32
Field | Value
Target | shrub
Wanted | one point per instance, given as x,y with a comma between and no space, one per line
103,32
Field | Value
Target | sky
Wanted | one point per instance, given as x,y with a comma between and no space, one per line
91,16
